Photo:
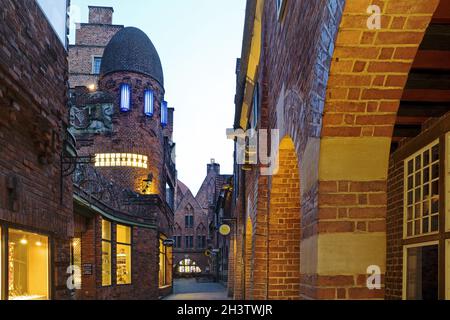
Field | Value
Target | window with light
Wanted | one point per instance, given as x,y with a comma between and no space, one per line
148,102
164,113
123,255
125,97
165,258
106,253
188,266
28,267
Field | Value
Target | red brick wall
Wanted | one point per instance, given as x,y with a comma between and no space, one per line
101,15
33,97
394,222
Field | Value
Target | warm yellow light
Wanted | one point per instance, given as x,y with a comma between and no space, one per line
121,160
92,87
39,244
24,241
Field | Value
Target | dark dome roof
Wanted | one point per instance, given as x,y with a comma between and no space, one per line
131,50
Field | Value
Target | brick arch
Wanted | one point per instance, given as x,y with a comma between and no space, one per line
248,259
368,73
284,226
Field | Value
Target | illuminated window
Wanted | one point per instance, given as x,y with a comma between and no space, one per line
125,97
96,65
189,267
165,258
123,255
164,113
75,258
106,253
422,172
121,160
28,268
148,102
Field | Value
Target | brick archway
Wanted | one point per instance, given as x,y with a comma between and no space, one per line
284,227
368,73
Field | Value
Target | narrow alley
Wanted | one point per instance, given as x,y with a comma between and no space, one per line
193,289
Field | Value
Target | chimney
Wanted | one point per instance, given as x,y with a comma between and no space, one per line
213,166
100,15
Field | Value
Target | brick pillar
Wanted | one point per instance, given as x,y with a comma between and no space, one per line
284,227
368,74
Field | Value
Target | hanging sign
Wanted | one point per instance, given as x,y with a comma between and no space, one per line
225,230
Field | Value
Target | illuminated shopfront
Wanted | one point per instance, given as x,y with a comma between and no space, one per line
123,255
27,265
165,258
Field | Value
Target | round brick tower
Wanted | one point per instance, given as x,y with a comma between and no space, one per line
133,154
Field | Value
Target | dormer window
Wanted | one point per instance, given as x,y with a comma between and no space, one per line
164,113
148,102
125,97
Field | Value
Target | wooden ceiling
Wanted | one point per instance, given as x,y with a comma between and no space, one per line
427,92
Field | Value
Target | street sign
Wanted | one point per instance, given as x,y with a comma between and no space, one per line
225,230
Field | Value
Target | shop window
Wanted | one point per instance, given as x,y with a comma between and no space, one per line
165,258
188,266
422,172
123,255
106,253
421,266
28,266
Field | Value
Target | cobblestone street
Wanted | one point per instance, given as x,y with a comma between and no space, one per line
191,289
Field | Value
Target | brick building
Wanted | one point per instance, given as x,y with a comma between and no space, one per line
197,250
91,38
36,215
359,188
124,201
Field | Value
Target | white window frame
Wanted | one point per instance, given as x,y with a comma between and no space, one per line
93,64
405,192
405,262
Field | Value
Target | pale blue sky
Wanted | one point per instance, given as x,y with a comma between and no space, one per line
198,42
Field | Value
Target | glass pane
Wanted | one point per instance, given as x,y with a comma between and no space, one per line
426,225
410,229
410,213
410,167
435,189
418,179
426,175
123,234
410,198
422,273
435,153
28,268
418,162
417,211
434,206
106,263
418,195
417,227
435,172
410,183
106,230
123,264
435,223
426,158
426,191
